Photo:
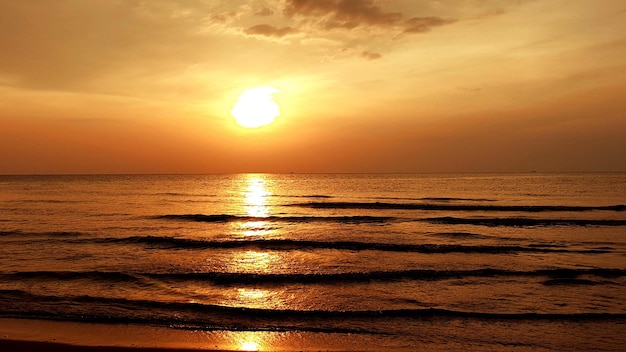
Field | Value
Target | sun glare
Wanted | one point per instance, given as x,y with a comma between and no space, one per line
249,346
256,107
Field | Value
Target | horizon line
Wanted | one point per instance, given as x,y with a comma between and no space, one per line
532,172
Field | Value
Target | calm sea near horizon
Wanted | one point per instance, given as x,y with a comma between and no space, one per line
395,262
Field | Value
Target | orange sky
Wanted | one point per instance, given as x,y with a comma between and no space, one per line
130,86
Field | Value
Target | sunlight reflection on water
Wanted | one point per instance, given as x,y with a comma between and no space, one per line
253,261
255,196
255,190
250,341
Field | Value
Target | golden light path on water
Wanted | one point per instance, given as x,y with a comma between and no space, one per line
250,341
260,341
255,196
249,346
254,261
255,192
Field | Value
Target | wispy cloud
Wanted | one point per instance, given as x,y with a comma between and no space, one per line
342,13
269,31
370,55
351,14
264,12
425,24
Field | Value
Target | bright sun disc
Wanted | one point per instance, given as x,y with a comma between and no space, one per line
256,107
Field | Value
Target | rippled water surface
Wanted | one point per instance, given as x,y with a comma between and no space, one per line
493,260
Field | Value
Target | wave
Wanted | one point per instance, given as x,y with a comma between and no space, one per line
454,199
455,207
356,219
431,275
288,244
217,218
523,222
458,235
429,199
41,234
234,278
303,196
183,194
44,201
571,281
196,195
210,316
113,276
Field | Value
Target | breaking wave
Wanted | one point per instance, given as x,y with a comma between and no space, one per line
290,244
523,222
193,315
238,218
458,207
230,278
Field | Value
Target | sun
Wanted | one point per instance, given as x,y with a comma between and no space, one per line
256,107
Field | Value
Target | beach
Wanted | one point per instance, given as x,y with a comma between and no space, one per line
20,345
42,335
437,335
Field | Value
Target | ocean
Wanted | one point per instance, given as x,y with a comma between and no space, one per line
391,262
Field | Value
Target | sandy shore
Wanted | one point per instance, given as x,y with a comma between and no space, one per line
43,335
20,346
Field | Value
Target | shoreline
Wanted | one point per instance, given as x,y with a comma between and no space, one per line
434,335
17,334
24,345
52,334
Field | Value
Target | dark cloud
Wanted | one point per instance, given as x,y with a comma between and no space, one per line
425,24
370,55
269,31
350,14
342,13
264,12
471,89
223,17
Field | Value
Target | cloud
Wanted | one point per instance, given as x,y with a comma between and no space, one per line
342,13
370,55
363,23
471,89
425,24
223,17
269,31
351,14
264,12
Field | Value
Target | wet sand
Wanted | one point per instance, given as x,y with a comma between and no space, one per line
44,335
52,336
20,346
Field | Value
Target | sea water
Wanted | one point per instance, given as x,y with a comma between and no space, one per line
385,262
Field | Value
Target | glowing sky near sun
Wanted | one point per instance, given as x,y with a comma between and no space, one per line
100,86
